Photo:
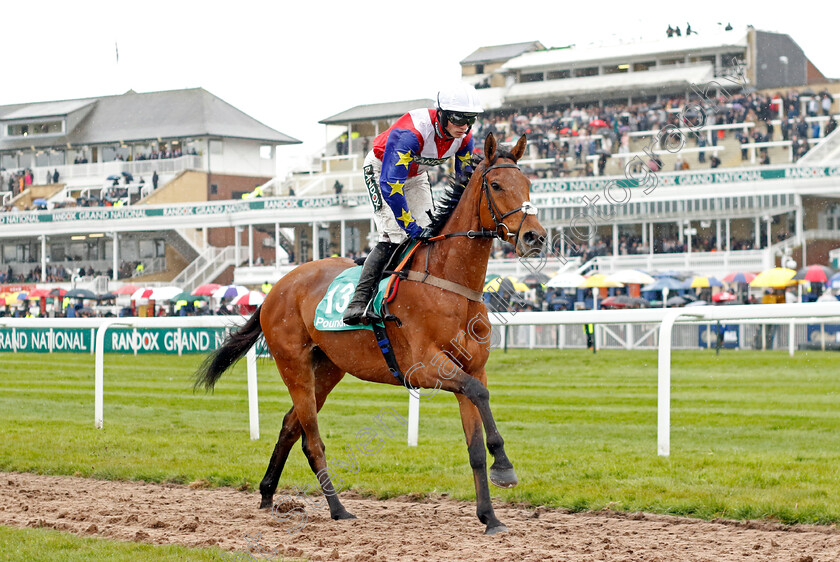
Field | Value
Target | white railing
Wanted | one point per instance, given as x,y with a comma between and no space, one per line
790,314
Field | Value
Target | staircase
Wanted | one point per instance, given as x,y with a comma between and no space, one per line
826,152
207,266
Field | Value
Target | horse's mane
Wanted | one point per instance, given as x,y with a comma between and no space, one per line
452,196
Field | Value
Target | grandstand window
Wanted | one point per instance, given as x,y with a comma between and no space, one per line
829,223
109,154
42,159
615,69
531,77
704,58
559,74
39,128
671,62
640,66
266,151
8,161
588,71
479,69
729,60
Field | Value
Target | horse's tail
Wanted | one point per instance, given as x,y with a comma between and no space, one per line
234,348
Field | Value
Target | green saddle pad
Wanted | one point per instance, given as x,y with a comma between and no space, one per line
335,302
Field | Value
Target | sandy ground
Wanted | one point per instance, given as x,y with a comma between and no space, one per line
400,529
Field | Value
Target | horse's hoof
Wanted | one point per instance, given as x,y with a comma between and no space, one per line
495,530
343,515
503,478
265,503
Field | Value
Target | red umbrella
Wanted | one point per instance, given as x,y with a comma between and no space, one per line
813,273
598,124
126,289
723,296
564,131
206,289
38,293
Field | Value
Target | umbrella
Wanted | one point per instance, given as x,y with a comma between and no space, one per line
776,277
188,297
114,177
40,202
106,297
702,282
534,279
599,280
58,292
807,92
251,298
164,293
623,301
128,176
676,301
669,283
229,291
140,294
834,282
723,296
207,289
564,131
631,277
38,293
814,273
510,282
80,294
126,289
739,277
565,280
598,124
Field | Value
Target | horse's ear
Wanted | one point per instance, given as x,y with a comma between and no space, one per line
519,149
490,147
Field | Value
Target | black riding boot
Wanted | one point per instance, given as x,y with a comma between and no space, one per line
358,312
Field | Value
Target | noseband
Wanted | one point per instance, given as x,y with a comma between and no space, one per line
527,208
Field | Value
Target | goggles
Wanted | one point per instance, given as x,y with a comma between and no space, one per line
459,119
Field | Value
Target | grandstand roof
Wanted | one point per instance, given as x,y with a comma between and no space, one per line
136,117
375,111
682,76
496,53
577,56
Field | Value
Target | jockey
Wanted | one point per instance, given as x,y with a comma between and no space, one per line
395,171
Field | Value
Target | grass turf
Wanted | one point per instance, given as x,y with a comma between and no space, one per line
754,435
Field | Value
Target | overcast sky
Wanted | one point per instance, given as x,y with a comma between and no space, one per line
291,64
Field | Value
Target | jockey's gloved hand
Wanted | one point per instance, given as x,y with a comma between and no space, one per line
424,234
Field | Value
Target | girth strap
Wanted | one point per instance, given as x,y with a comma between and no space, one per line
445,285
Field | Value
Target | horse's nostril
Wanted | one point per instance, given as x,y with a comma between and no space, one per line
532,239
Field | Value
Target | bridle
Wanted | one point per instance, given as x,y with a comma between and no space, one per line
527,208
500,230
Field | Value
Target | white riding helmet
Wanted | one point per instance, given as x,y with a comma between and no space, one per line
460,98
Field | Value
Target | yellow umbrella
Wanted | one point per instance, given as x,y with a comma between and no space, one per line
493,285
599,280
777,277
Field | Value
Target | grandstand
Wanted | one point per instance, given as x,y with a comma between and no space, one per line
726,145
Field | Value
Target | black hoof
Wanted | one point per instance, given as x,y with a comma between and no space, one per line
495,530
265,503
503,478
343,515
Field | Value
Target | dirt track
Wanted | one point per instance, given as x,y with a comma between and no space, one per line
400,529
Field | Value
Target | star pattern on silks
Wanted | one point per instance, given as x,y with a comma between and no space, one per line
397,187
405,159
466,158
406,217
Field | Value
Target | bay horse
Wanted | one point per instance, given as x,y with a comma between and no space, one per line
435,323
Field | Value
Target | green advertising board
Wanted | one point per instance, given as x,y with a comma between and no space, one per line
117,340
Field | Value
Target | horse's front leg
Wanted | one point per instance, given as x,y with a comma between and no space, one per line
501,471
471,420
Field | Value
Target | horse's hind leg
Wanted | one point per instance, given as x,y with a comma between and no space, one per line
326,377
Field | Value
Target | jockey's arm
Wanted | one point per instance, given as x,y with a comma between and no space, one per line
397,158
463,158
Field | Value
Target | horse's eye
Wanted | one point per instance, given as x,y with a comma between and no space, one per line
495,186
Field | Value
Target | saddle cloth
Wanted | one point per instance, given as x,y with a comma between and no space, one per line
331,308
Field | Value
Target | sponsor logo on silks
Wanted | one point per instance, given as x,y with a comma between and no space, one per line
429,161
372,188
